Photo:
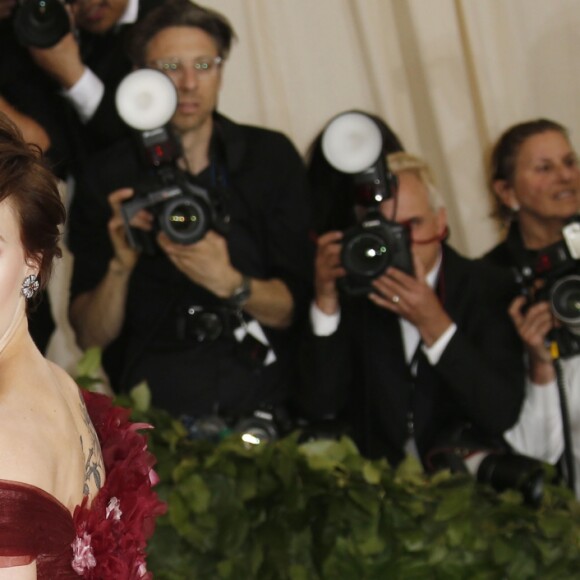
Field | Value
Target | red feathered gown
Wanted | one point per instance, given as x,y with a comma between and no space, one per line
105,541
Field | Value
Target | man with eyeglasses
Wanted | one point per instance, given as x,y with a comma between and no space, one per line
210,325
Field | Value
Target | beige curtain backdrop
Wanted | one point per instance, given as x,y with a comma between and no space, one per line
447,75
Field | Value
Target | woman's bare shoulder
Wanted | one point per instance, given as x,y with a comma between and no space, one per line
37,424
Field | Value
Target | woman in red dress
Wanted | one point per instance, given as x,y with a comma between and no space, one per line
76,496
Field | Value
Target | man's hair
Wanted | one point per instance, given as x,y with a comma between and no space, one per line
504,154
31,188
180,13
401,161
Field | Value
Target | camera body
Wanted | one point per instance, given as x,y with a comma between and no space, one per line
41,23
372,246
183,209
555,276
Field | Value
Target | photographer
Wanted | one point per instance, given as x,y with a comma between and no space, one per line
148,310
59,87
88,63
421,355
536,181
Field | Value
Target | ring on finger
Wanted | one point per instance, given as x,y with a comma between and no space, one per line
395,298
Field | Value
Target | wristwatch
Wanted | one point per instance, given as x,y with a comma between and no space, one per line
241,294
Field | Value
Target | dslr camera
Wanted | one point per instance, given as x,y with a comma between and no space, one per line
183,208
352,143
41,23
554,276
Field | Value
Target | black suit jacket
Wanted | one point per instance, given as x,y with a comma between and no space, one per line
359,373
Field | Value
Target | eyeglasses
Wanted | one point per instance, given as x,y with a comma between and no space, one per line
175,67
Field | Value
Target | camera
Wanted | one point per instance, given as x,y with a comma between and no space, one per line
512,471
463,449
372,246
554,276
41,23
352,143
182,208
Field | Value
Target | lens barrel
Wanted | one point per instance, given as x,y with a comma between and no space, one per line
184,219
41,23
565,301
366,254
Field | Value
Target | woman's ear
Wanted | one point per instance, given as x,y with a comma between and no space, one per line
506,194
33,264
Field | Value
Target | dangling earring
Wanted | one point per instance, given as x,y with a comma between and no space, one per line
30,286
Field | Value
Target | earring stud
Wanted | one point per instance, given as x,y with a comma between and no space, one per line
30,286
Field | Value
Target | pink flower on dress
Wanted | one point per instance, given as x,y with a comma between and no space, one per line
83,558
114,508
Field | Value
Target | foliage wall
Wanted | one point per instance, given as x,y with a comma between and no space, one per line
320,511
290,511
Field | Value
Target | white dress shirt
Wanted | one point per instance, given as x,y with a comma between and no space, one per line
326,324
539,432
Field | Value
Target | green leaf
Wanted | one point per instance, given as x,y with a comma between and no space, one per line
196,494
410,470
90,363
371,473
454,504
141,397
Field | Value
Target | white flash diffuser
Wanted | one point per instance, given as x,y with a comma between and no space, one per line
146,99
352,142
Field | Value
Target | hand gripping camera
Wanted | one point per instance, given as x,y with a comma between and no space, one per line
41,23
185,210
352,143
555,276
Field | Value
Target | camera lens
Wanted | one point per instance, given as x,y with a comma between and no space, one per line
41,23
366,254
184,220
203,325
257,429
565,302
510,471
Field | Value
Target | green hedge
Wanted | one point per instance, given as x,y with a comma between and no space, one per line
285,511
321,511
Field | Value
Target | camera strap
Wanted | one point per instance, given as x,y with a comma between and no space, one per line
568,466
